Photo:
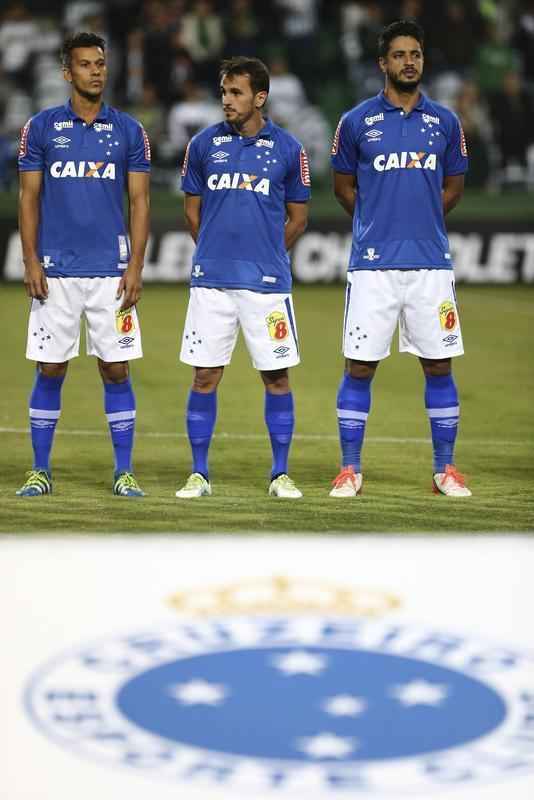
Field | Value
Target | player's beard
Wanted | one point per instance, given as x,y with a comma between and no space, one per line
403,85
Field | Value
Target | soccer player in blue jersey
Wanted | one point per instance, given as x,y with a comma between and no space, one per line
246,184
75,161
399,161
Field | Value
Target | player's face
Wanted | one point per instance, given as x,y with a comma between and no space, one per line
239,102
88,71
403,64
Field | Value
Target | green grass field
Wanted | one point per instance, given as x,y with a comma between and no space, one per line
495,448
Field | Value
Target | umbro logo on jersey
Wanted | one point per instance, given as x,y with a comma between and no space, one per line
376,118
83,169
405,160
239,180
374,135
220,157
61,141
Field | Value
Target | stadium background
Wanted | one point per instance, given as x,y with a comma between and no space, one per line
163,65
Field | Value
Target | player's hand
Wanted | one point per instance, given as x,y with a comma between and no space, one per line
35,280
130,287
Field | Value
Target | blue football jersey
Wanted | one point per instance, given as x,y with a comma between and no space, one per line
244,183
400,161
82,230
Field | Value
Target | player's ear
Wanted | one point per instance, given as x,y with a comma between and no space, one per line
67,74
382,64
260,100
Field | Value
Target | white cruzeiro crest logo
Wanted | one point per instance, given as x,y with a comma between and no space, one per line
334,703
371,254
59,126
220,157
428,118
265,143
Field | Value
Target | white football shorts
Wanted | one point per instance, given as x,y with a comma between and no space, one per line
54,324
212,324
421,301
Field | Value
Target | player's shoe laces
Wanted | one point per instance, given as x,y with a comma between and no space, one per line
126,485
38,482
195,486
347,484
283,486
450,482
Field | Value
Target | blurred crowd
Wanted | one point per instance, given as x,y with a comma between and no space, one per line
163,58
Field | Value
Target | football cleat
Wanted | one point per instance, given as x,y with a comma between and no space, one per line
195,486
283,486
450,482
125,485
347,484
38,482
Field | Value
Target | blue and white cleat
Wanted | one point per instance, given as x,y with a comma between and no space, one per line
38,482
195,486
125,485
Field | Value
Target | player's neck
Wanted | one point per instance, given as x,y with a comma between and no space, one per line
405,100
87,108
251,127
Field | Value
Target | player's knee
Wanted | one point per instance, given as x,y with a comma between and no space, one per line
206,379
53,370
114,372
361,369
276,381
436,367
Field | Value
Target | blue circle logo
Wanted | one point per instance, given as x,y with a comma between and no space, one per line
290,704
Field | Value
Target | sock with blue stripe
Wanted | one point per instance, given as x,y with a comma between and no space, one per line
280,421
353,404
119,403
201,416
45,408
441,401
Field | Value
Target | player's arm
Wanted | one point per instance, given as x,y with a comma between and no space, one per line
345,191
29,193
192,206
296,222
131,282
453,189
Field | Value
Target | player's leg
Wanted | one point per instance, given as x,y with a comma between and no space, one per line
114,337
270,331
53,339
431,330
372,304
209,337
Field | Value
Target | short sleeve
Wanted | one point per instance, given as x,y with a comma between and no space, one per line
139,151
298,180
192,177
455,161
31,153
344,148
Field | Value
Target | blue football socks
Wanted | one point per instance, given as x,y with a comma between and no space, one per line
119,403
441,401
353,404
280,421
45,408
201,416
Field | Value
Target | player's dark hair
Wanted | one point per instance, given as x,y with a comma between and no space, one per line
243,65
402,27
75,40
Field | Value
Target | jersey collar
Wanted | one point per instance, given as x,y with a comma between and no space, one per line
422,104
102,116
267,130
